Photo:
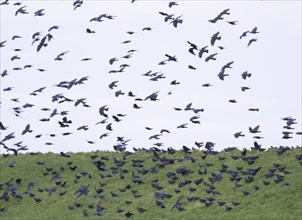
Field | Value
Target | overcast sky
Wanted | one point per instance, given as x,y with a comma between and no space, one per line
274,60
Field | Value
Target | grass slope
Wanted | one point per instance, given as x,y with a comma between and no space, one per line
281,200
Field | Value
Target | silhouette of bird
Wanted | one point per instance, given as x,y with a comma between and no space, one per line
59,57
244,34
40,12
211,57
254,130
214,38
202,51
21,10
232,22
245,74
89,31
254,31
251,41
171,4
238,134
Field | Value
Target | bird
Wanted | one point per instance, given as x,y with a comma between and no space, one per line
254,109
140,209
232,22
40,12
16,37
251,41
202,51
221,75
136,106
238,134
214,38
243,88
192,67
183,125
254,130
147,29
112,60
4,3
109,127
102,111
246,74
244,34
128,214
55,27
59,57
21,10
89,31
233,101
2,43
245,193
171,4
254,31
27,130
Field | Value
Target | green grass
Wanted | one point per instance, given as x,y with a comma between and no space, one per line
269,202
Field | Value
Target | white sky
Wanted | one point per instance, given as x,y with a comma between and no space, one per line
274,61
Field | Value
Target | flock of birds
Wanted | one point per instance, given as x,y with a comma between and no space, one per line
42,40
189,179
181,178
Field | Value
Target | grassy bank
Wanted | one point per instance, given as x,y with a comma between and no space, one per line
118,185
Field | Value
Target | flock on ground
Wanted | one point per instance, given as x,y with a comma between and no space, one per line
183,185
42,40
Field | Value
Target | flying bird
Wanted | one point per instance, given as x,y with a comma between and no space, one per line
214,38
27,130
171,4
40,12
211,57
21,10
251,41
232,22
89,31
255,129
60,56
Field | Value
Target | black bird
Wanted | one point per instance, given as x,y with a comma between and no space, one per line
140,210
251,41
60,56
136,106
202,51
21,10
2,44
192,47
102,111
160,204
191,67
244,192
109,127
232,22
254,130
233,101
245,75
254,109
40,12
172,4
243,88
214,38
254,31
4,3
244,34
147,29
128,214
238,134
89,31
211,57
